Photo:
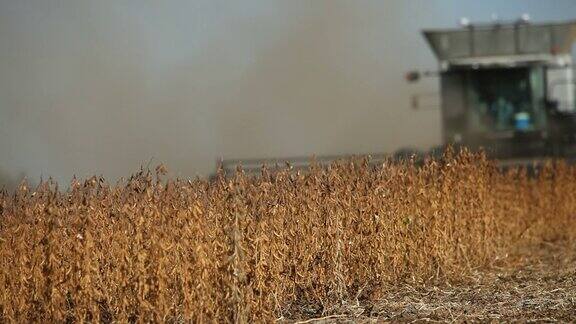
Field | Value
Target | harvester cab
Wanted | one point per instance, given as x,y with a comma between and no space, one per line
507,87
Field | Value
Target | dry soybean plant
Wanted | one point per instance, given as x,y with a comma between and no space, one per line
258,248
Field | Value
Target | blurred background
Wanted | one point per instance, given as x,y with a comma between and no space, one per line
103,87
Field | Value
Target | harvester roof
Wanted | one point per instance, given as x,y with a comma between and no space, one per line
502,39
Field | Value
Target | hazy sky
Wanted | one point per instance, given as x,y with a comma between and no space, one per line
103,86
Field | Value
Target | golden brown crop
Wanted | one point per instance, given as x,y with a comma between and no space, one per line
256,248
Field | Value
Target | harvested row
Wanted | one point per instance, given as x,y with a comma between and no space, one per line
261,248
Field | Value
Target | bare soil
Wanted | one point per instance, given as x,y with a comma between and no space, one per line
539,285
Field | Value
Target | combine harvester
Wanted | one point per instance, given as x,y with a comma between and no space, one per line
505,87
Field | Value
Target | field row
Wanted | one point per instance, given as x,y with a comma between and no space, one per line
279,245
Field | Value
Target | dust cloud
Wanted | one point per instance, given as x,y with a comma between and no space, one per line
103,87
